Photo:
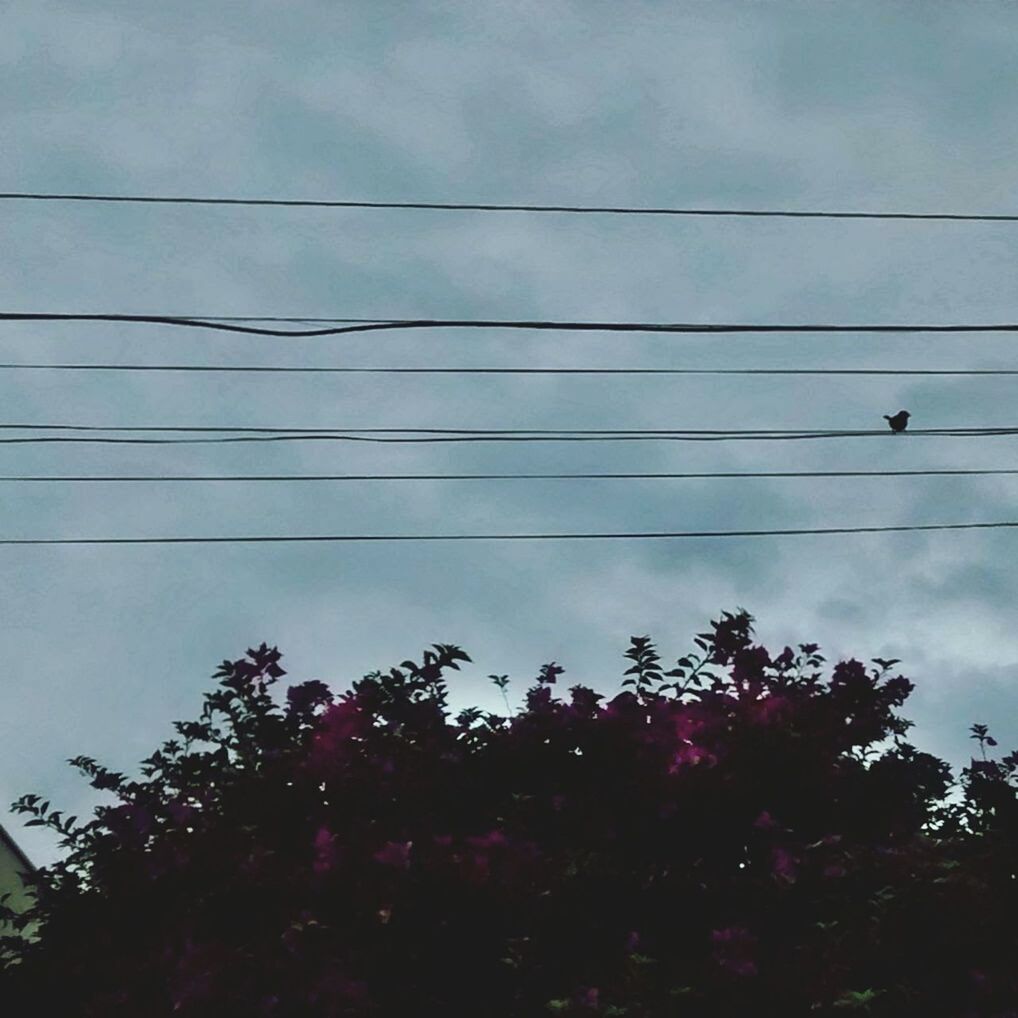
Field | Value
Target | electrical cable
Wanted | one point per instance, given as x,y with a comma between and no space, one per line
705,475
446,435
275,430
350,538
300,369
626,210
534,325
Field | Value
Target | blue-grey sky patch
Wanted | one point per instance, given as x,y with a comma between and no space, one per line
868,105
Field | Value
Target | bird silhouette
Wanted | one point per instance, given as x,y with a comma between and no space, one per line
899,422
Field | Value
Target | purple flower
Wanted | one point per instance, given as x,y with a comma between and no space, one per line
691,756
770,709
340,723
490,840
326,852
394,853
783,865
733,950
689,723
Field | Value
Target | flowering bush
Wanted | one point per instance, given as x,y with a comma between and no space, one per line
733,836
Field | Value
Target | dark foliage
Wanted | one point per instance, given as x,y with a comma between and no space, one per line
736,835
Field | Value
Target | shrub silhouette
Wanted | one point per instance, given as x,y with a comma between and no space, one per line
737,835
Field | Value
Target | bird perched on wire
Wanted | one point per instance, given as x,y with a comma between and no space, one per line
899,422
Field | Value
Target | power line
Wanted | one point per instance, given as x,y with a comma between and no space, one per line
627,210
608,536
178,478
275,430
447,435
287,318
299,369
464,323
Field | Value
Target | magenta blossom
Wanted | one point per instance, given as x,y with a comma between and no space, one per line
770,709
338,725
394,853
733,950
492,839
691,756
326,851
783,865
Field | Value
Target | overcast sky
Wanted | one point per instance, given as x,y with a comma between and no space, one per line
852,105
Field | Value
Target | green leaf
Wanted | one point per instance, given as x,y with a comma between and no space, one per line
856,999
642,959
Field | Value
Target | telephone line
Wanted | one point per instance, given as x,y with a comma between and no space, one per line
623,210
435,436
300,369
606,536
517,324
275,430
187,478
509,432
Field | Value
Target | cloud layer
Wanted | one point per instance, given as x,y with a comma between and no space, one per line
869,106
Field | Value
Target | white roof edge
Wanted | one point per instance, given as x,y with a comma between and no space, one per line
7,840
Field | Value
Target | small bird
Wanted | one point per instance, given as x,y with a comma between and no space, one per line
899,422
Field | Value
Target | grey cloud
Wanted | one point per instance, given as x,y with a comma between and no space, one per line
877,106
